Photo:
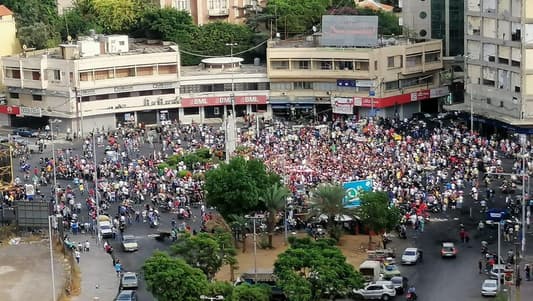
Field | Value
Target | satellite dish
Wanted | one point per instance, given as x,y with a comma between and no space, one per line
69,38
314,28
24,47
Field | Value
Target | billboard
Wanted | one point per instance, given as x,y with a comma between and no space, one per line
353,189
342,105
349,31
33,214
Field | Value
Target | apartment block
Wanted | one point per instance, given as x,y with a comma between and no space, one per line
499,65
398,77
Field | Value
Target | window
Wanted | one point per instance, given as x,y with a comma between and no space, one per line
476,31
488,82
14,95
375,65
325,65
56,74
344,65
217,4
206,88
37,97
101,97
517,89
390,62
146,93
303,85
492,58
219,87
168,91
413,60
279,65
125,72
84,76
15,73
36,75
256,108
502,60
432,56
121,43
515,63
145,71
168,69
187,89
303,65
191,111
122,95
392,85
101,75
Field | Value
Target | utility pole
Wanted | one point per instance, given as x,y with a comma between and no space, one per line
97,201
231,127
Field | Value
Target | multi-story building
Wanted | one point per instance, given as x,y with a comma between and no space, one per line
499,65
98,82
398,77
10,44
435,19
102,81
205,11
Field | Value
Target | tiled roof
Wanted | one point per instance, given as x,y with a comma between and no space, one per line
4,11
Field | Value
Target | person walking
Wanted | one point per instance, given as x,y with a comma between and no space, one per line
527,269
118,267
77,254
480,266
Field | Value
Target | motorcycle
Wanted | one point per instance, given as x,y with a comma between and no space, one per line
410,296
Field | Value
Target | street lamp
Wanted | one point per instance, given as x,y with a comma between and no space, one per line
254,218
52,122
231,148
52,258
217,297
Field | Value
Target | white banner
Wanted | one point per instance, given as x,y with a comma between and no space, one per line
342,105
30,111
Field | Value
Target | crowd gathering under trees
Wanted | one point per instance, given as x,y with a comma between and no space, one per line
40,26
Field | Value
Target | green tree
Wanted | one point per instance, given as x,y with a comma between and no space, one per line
201,251
78,21
227,249
247,292
274,199
164,23
235,188
30,12
376,213
310,270
238,224
328,200
297,17
118,16
171,279
38,35
220,288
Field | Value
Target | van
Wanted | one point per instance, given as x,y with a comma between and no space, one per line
370,270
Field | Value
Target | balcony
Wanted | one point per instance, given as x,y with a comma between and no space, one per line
218,12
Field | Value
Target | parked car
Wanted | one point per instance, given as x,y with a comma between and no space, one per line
4,139
126,295
411,256
448,250
129,243
19,139
389,271
25,132
381,290
489,287
129,281
400,284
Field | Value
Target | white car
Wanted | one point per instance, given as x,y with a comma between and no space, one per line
410,256
106,229
489,287
129,281
129,243
381,290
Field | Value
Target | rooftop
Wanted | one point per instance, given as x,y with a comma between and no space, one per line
4,11
244,69
314,42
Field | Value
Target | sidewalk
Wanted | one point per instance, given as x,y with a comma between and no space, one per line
98,277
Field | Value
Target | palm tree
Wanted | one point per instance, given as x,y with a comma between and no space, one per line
328,200
239,223
274,198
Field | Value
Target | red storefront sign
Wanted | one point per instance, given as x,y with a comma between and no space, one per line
10,110
391,100
223,100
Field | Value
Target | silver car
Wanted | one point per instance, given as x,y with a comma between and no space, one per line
129,281
489,287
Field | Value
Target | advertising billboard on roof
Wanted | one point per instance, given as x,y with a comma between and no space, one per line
349,31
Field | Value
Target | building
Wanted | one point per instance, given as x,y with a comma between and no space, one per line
103,81
10,44
207,91
397,77
499,64
97,83
206,11
435,19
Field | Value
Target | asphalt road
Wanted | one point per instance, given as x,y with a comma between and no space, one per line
436,279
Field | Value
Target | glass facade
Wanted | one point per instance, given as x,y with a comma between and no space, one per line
438,27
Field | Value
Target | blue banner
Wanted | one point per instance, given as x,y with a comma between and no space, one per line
353,190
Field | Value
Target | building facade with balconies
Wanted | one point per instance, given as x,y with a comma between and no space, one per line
397,78
499,62
103,81
206,11
97,83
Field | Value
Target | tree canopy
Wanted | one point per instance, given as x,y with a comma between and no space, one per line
171,279
376,213
235,187
310,270
328,200
247,292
